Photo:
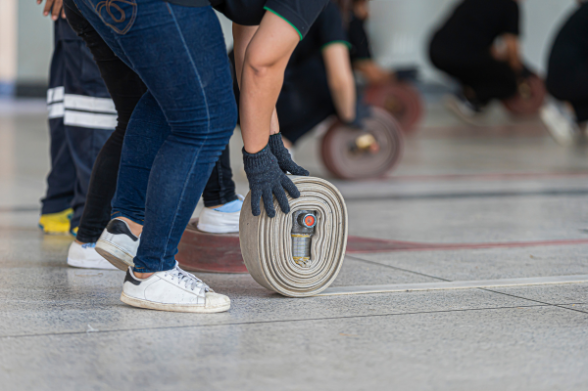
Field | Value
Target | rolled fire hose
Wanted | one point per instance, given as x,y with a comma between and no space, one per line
300,253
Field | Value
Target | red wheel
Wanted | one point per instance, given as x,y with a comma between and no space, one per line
529,99
206,252
372,152
400,99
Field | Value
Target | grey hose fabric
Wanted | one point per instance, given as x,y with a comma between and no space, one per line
266,243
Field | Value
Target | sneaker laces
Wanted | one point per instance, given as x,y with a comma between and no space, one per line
189,280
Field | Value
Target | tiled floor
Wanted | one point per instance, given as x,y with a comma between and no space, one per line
505,182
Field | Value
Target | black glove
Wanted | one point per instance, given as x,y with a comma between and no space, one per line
362,111
267,179
284,158
525,73
407,74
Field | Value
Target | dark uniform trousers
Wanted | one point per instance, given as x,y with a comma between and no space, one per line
81,118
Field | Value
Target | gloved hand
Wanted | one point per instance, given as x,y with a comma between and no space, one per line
406,74
525,73
266,179
284,158
362,111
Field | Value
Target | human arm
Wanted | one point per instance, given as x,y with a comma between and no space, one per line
53,7
242,35
372,72
261,56
263,63
340,80
512,52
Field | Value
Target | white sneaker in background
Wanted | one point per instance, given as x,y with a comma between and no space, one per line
463,109
221,220
118,244
85,256
560,123
174,290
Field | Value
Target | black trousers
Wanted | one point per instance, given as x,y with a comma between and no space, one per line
481,73
567,69
126,88
81,118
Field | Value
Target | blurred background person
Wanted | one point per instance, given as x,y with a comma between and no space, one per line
81,118
463,47
567,80
361,52
319,80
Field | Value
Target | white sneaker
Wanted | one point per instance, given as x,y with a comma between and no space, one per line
221,220
85,256
173,290
560,124
462,109
118,244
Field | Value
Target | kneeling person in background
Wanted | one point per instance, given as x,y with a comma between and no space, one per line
464,48
566,116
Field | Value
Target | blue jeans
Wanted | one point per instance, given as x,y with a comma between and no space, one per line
179,127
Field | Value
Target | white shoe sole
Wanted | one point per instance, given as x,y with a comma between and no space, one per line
215,229
92,265
151,305
119,258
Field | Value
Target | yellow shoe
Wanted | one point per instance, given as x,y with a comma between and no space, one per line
56,223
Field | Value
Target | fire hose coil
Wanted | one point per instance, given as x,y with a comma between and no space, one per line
267,243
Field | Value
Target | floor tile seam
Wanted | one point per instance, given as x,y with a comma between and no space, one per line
535,301
570,309
462,195
355,257
278,321
445,280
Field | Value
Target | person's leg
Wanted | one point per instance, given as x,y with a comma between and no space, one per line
581,109
56,205
84,145
222,206
140,147
194,92
89,114
489,79
220,188
567,80
125,88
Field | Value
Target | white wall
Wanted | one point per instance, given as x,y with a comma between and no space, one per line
8,12
401,29
35,43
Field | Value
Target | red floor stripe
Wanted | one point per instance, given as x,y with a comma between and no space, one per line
356,244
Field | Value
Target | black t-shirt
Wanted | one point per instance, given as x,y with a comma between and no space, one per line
305,99
328,28
360,43
475,24
300,14
571,42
